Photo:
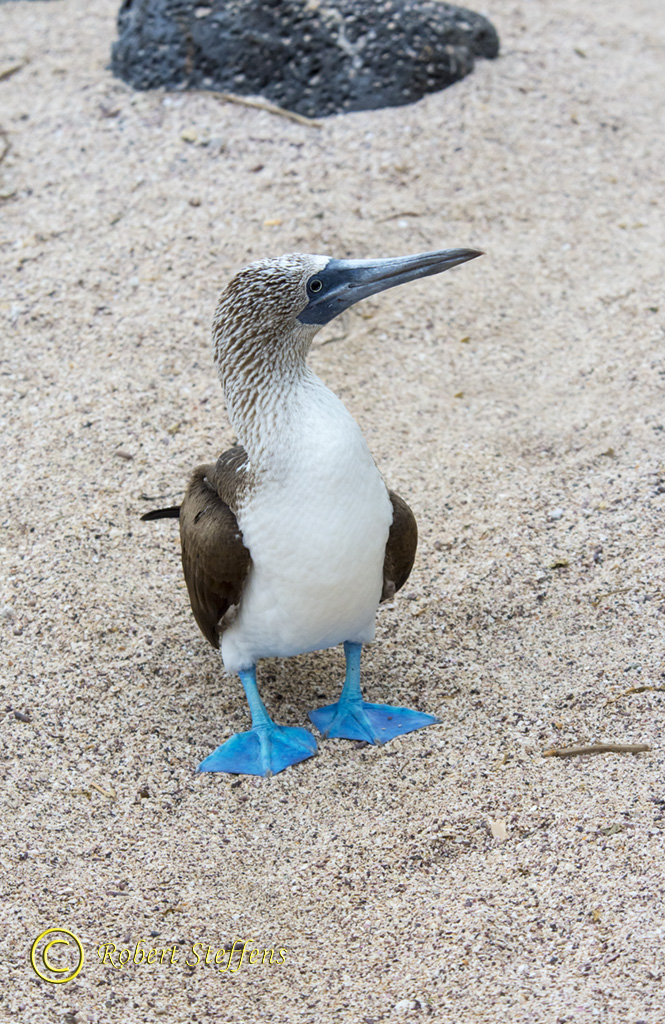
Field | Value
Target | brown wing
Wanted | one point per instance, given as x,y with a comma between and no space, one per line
400,549
214,559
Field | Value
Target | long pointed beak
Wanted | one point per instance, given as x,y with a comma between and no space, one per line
344,282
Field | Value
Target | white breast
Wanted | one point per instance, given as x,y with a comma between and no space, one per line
316,526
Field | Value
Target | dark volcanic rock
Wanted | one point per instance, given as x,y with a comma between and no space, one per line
310,56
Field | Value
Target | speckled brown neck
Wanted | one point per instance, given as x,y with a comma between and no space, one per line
260,348
259,376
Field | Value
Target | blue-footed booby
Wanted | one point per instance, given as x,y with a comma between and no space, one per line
291,539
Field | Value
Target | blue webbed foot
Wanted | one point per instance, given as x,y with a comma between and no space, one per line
375,723
267,748
352,718
263,750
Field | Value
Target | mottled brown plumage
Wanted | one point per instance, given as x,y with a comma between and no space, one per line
214,559
400,549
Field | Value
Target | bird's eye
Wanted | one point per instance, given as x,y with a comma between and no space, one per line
315,285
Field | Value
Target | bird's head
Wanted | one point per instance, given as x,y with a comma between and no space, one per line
270,311
257,313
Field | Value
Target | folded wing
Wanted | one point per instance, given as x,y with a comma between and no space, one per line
400,549
214,559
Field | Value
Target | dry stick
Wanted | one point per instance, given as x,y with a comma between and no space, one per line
402,213
598,748
6,144
111,795
610,593
11,69
331,341
633,689
269,108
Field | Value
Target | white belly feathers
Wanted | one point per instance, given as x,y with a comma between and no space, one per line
316,527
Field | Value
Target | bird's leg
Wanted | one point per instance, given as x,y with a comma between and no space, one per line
266,748
354,719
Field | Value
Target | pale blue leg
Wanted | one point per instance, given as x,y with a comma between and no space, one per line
267,748
353,719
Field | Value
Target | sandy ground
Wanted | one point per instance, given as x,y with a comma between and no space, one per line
516,402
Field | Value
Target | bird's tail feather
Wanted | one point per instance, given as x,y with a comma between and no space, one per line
172,512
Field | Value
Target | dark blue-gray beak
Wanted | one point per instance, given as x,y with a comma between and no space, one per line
342,283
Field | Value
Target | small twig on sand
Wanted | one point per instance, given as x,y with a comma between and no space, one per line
269,108
111,795
11,69
633,689
330,341
5,144
401,213
610,593
598,748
